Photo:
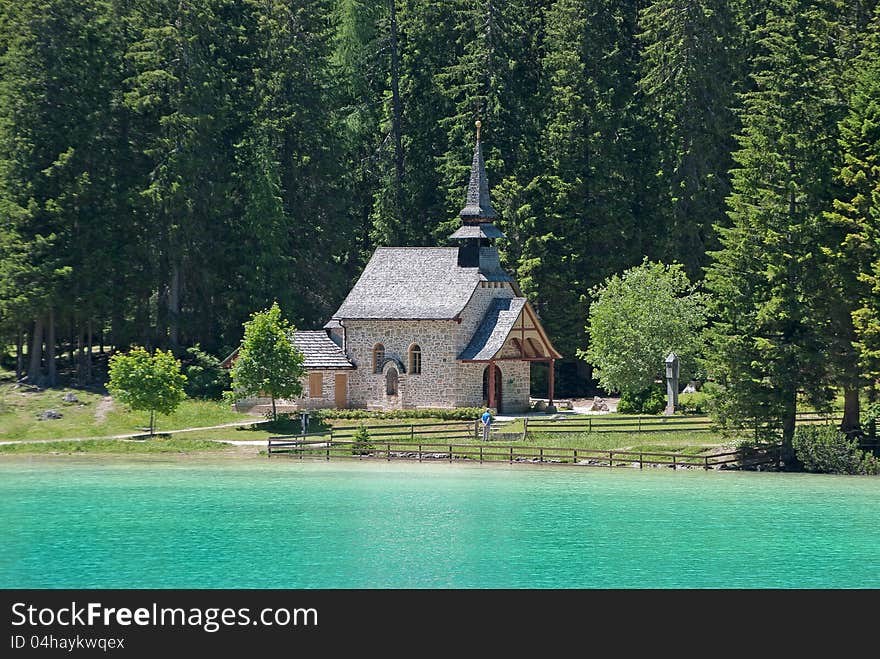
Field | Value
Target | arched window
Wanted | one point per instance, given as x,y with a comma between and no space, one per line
391,382
378,357
415,360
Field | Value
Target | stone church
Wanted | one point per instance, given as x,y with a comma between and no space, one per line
430,327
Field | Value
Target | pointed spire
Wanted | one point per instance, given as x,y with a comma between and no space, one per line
478,207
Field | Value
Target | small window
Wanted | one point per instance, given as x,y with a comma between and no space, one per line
378,357
316,385
415,360
391,382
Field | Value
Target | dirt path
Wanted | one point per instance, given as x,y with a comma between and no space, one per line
102,408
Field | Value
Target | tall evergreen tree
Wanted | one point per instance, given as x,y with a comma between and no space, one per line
691,59
768,340
855,219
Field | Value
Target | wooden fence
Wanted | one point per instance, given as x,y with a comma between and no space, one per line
299,446
639,423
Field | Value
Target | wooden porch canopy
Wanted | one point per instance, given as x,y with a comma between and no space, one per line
511,331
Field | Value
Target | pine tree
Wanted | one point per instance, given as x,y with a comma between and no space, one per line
769,337
690,64
855,219
573,224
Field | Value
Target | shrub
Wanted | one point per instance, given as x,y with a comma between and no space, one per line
204,376
362,444
648,401
696,403
453,414
824,449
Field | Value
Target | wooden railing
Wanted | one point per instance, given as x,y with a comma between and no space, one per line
492,452
581,423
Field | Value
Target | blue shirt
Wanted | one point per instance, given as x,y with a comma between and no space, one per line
486,418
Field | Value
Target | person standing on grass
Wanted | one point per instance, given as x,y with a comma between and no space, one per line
486,420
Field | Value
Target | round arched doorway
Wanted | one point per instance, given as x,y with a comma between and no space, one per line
498,399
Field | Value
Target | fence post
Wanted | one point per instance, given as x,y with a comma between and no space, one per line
610,458
640,425
388,452
641,463
673,460
541,459
412,432
450,452
477,430
525,427
269,448
707,462
328,453
481,454
511,455
575,456
420,452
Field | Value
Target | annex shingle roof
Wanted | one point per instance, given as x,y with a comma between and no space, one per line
411,283
320,351
494,328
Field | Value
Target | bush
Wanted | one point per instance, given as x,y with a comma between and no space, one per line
362,444
648,401
826,450
453,414
696,403
204,376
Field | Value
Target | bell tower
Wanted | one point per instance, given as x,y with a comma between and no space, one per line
477,229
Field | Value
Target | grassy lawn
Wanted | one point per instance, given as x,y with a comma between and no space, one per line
116,446
94,415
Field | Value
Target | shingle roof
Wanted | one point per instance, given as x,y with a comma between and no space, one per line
489,231
494,328
320,351
477,204
411,283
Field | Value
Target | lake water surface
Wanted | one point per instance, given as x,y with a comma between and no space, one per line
221,523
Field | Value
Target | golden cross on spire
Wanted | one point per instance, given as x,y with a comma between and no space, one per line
478,124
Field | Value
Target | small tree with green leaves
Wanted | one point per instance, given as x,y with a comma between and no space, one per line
362,444
636,319
268,363
147,382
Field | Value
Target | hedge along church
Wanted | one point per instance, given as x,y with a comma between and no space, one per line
430,326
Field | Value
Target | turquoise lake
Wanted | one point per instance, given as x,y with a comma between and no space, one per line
201,523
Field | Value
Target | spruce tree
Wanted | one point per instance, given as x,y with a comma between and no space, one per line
768,341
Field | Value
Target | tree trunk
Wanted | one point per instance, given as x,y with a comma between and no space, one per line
71,345
851,423
50,351
152,421
36,356
872,424
274,413
80,357
89,353
101,342
396,112
174,309
788,424
19,354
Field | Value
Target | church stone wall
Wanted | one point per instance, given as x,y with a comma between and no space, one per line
514,385
434,387
443,382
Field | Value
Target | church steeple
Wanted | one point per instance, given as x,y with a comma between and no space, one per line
478,207
477,233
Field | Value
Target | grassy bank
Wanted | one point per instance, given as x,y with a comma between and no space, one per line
94,415
116,446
